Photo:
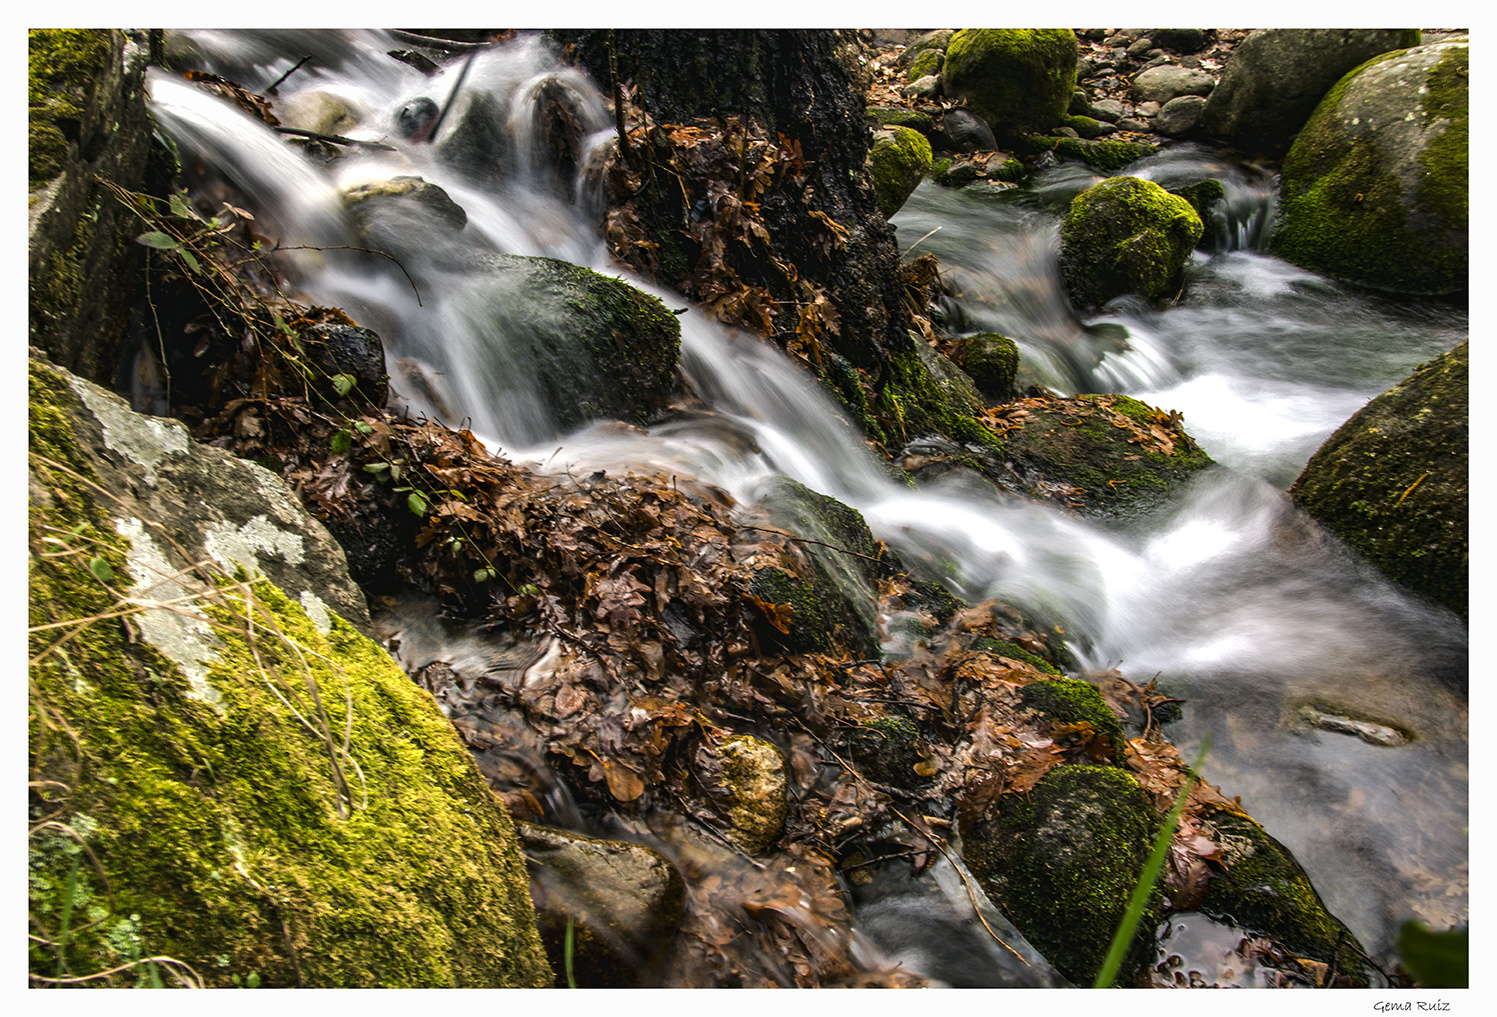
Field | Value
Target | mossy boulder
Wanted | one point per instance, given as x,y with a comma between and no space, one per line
1392,481
87,118
898,116
1101,154
1126,235
1276,76
264,797
576,345
834,599
1103,456
1257,885
1062,862
1018,80
926,394
1375,189
992,362
899,159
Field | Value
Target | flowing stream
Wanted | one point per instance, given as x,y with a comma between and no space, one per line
1231,596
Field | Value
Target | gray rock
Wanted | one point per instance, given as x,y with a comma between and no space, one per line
1180,115
1165,82
623,900
1136,126
1139,47
928,87
1276,76
1107,110
963,131
1180,40
1375,189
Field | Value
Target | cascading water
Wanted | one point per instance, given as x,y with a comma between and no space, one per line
1235,601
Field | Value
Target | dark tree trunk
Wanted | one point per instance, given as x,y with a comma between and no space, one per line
790,82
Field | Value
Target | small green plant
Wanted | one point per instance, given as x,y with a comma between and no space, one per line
1146,879
567,951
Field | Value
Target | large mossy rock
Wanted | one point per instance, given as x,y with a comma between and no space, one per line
1277,76
1375,189
1062,861
1102,456
899,160
1018,80
88,119
581,345
1392,481
241,781
1126,235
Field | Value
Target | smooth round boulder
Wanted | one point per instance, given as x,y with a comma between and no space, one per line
1375,189
1392,481
899,159
1126,235
963,131
1017,80
1276,76
1179,116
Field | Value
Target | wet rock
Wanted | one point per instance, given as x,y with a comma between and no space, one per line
1179,116
1077,452
991,361
1086,127
1062,862
1165,82
1126,235
590,346
1263,889
1276,76
889,750
1107,110
352,351
1375,189
321,112
1016,80
963,131
754,777
405,217
1180,40
1070,701
899,160
624,901
1392,481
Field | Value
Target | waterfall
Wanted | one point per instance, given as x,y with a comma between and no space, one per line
1228,595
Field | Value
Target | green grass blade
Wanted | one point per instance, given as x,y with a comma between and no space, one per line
1146,879
567,952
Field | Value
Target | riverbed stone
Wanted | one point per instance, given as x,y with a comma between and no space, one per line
899,159
1179,116
963,131
1375,190
1016,80
756,777
623,901
992,362
1276,76
1166,81
1392,481
237,833
1126,235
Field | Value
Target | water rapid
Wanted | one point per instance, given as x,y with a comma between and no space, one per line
1237,603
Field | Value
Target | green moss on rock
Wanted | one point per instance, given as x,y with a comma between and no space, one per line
1264,890
887,749
1085,442
899,159
215,818
1073,701
1375,189
1004,648
1062,862
927,62
1017,80
898,116
1126,235
992,361
64,67
1393,481
924,406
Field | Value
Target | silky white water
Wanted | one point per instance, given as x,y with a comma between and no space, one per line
1233,598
